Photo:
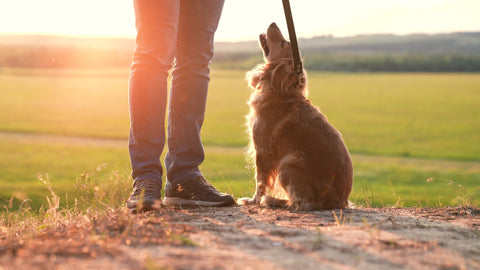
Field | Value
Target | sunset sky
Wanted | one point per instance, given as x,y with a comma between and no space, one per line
245,19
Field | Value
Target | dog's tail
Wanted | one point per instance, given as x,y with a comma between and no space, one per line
274,202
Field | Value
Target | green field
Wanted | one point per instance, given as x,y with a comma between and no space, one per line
401,129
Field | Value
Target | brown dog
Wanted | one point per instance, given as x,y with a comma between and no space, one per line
296,150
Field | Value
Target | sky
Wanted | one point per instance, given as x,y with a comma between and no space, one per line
245,19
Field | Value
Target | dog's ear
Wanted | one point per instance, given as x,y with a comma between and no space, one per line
283,77
287,81
253,78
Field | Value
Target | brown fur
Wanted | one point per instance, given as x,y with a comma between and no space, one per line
294,147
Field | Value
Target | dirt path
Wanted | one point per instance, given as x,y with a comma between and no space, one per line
264,238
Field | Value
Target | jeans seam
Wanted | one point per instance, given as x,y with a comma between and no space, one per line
171,128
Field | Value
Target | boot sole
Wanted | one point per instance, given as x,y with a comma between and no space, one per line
145,207
175,201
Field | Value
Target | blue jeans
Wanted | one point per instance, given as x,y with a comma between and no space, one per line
178,32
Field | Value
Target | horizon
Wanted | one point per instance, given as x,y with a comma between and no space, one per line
312,18
73,36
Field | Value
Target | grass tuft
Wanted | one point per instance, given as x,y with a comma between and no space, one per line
464,197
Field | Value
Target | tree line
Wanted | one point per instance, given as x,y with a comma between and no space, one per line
453,52
394,63
62,57
445,62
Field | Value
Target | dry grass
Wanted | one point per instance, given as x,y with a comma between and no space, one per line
236,237
97,231
87,234
97,225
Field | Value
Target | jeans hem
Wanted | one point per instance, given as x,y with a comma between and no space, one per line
156,178
183,177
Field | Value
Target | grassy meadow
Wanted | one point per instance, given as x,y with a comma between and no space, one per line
414,137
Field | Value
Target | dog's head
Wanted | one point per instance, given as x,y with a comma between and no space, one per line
277,72
274,45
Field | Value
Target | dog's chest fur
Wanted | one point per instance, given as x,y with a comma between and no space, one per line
273,119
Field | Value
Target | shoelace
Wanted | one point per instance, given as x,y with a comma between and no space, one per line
144,185
203,182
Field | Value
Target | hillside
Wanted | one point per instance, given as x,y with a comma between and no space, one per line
383,52
462,42
419,52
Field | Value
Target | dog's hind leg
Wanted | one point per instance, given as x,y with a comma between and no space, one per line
298,194
293,179
274,202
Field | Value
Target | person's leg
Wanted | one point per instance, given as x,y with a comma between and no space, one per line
190,78
157,27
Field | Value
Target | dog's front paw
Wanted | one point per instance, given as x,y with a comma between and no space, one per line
246,201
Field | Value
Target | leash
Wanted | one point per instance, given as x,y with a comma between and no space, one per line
297,62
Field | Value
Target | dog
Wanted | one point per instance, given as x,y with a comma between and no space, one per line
296,151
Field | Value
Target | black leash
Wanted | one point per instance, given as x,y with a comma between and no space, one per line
297,62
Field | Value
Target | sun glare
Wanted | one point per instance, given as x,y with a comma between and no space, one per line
67,17
239,21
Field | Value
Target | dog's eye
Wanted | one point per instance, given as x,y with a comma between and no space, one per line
283,43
